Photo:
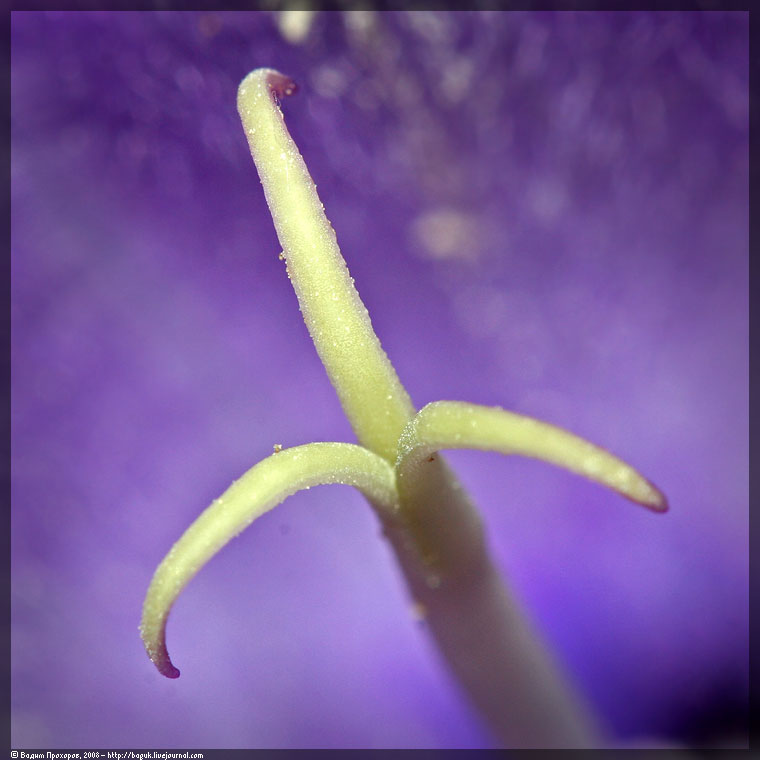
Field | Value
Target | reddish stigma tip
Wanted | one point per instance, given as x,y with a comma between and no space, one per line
281,85
170,671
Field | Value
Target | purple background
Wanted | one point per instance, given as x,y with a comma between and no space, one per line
544,212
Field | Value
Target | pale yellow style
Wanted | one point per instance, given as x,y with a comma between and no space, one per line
434,529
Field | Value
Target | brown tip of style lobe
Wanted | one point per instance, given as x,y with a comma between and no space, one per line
281,85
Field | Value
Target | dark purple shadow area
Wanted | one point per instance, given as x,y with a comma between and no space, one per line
544,212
